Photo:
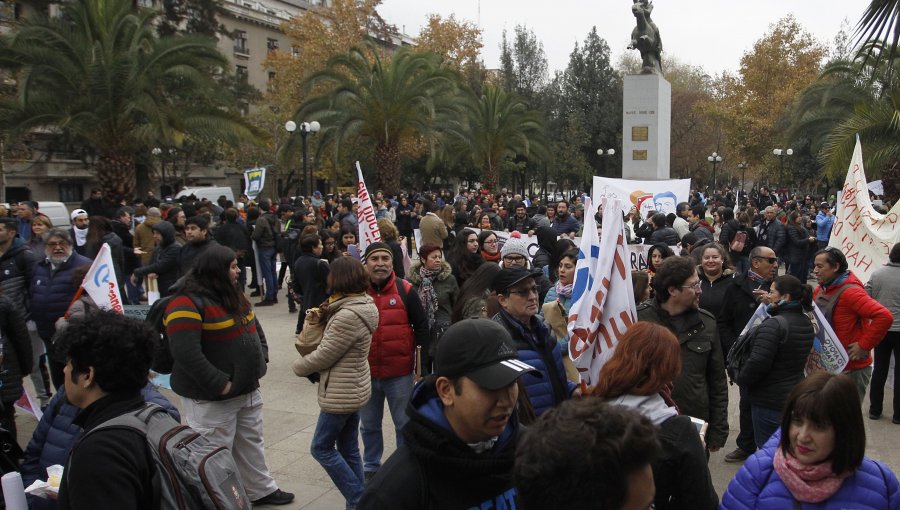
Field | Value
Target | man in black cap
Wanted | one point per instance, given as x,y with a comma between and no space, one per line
463,428
517,294
402,329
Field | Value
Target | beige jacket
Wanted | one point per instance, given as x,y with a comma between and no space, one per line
143,238
433,230
342,357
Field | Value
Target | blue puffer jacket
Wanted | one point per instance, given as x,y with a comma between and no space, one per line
55,435
756,486
52,291
539,348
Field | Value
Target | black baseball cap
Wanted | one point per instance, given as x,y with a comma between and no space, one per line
481,350
509,276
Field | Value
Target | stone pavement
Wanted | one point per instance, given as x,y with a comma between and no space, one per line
291,411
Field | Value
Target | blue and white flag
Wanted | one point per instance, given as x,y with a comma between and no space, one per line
602,296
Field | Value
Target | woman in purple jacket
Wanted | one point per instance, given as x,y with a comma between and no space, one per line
816,460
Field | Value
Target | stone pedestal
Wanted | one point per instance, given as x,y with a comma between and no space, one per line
647,127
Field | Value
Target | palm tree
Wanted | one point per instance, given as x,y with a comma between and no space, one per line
99,73
500,125
880,22
381,103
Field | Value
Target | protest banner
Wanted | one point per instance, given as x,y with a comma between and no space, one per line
864,235
254,180
365,214
100,282
602,306
660,196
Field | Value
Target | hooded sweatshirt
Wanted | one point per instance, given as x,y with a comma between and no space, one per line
434,469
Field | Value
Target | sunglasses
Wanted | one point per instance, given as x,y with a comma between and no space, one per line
770,260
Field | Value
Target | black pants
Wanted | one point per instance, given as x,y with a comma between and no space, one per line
883,351
8,417
745,440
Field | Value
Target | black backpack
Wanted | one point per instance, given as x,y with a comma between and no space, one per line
162,356
740,350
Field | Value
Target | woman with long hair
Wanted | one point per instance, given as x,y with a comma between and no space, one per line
797,247
816,458
40,225
220,354
341,360
639,376
349,236
556,307
473,300
329,245
488,246
465,257
715,271
657,253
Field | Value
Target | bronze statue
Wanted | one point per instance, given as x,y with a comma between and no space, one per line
645,38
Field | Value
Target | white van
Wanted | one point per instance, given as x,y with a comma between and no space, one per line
211,193
56,211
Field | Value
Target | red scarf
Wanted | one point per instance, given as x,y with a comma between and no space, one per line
490,258
808,483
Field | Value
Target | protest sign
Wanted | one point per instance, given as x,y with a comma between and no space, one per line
864,235
602,306
254,180
100,282
365,214
661,196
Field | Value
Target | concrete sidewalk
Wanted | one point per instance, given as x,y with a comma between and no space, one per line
291,411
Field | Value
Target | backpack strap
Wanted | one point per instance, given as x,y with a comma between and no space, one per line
784,325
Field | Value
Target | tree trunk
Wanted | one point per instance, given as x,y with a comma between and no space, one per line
387,168
491,178
115,171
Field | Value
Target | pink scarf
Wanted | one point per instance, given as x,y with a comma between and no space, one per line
807,483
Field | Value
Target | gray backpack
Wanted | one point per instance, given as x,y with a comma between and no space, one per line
191,473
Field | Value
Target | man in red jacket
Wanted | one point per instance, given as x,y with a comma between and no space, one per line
402,328
859,321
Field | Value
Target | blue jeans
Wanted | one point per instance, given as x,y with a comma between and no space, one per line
397,390
267,266
765,422
343,464
134,292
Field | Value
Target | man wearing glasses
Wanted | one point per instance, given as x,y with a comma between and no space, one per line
517,293
744,295
701,390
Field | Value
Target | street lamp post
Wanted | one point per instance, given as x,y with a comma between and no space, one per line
305,129
715,159
156,151
781,154
603,155
742,166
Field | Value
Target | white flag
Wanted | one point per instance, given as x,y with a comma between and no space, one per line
368,223
100,282
602,296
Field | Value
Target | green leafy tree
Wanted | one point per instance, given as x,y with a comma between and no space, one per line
385,103
99,72
499,126
523,64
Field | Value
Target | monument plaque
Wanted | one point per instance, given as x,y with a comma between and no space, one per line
640,134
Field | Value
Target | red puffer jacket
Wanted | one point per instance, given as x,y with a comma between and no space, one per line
392,353
857,318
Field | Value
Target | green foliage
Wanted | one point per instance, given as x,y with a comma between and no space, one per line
99,73
880,22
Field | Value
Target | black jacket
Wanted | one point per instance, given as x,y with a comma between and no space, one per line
434,469
309,275
16,344
796,249
739,305
164,260
112,468
190,252
680,472
701,390
234,236
713,297
16,265
664,235
777,357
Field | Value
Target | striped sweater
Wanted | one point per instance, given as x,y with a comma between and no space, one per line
211,348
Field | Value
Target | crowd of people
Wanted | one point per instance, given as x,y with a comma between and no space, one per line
457,320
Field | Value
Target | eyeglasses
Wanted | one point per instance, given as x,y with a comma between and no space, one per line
526,292
770,260
514,258
695,286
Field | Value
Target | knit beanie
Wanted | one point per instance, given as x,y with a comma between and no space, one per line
376,247
515,245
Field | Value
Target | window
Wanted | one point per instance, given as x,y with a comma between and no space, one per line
270,85
70,192
295,51
241,73
240,42
271,44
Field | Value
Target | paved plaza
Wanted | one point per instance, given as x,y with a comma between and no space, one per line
290,414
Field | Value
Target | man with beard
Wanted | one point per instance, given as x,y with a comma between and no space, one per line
564,223
402,329
701,390
53,288
196,229
461,437
79,230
